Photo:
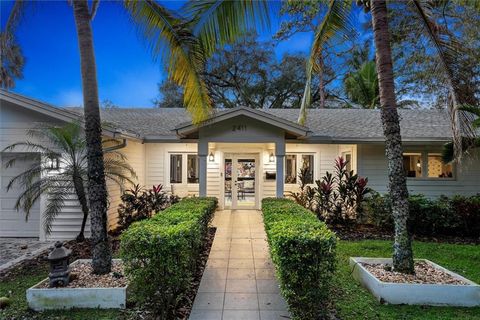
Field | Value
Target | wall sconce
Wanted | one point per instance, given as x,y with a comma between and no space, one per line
53,163
211,157
271,158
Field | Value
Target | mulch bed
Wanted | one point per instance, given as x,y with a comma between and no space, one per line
425,273
369,232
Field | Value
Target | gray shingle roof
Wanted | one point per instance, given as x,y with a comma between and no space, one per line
339,124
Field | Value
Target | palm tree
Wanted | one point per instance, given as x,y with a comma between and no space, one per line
62,169
361,85
337,21
448,149
172,38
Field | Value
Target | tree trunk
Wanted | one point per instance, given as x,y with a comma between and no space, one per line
82,198
402,248
97,190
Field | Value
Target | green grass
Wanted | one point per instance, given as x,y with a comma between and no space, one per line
354,302
18,309
351,300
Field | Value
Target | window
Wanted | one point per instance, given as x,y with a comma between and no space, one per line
192,168
437,169
175,168
291,168
347,156
293,164
307,162
412,164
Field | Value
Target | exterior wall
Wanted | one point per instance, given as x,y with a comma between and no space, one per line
324,156
157,164
372,164
135,154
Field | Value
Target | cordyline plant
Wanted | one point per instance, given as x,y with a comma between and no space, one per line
306,196
139,203
339,196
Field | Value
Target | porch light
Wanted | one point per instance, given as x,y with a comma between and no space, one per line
271,158
211,157
53,163
419,165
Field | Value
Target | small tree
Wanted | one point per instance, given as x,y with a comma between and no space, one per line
65,147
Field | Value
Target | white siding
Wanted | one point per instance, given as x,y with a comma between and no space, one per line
135,156
373,165
12,222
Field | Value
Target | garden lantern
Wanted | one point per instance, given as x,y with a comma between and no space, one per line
59,260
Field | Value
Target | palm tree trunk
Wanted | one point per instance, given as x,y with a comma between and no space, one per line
97,190
82,198
402,255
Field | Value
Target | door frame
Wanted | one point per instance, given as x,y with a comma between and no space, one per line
235,157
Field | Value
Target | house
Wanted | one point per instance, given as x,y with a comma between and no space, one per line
239,155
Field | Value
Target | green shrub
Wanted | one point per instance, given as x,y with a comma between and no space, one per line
160,253
303,251
455,216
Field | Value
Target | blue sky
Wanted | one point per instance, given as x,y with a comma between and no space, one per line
127,75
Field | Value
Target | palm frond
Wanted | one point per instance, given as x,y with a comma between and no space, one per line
171,39
450,52
56,201
220,22
336,22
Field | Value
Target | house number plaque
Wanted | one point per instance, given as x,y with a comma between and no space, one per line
239,127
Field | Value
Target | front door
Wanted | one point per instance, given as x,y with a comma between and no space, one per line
241,181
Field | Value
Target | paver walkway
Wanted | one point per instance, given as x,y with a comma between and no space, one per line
15,250
239,279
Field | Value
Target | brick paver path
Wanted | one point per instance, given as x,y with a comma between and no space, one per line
239,279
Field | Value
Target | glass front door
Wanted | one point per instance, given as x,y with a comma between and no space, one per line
240,181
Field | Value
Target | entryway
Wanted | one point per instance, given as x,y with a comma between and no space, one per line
239,279
241,180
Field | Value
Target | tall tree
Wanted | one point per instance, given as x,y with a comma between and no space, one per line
248,73
336,21
402,248
304,16
97,188
417,71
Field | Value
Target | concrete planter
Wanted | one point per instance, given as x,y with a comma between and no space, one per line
413,293
40,299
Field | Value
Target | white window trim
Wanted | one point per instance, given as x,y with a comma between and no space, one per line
299,165
184,155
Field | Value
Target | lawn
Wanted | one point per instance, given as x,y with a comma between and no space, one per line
354,302
351,301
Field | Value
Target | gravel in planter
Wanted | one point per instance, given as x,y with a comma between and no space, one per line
424,274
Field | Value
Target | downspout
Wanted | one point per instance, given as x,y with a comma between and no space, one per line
118,146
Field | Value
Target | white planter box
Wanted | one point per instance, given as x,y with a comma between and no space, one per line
40,299
413,293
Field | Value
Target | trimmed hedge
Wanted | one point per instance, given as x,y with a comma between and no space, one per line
160,253
303,251
445,216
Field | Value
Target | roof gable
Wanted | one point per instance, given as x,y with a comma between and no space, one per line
293,129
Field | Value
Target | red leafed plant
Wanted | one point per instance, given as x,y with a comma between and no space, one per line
336,198
139,203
